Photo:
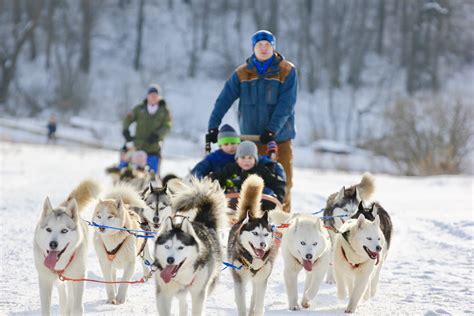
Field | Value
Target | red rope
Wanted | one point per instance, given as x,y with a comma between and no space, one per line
64,278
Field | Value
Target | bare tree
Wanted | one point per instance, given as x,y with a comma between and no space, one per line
87,20
380,26
49,24
9,53
138,45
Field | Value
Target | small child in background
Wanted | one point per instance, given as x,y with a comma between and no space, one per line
52,126
228,140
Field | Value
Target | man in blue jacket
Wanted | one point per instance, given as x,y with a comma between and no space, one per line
266,86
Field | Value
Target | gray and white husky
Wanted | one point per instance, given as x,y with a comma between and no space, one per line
60,248
250,246
187,250
346,203
359,253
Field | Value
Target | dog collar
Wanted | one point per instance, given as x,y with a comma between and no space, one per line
247,259
111,254
354,266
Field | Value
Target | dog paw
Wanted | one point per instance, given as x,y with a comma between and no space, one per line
349,310
119,300
305,304
330,281
111,301
294,308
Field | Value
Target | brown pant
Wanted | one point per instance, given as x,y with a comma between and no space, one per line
285,157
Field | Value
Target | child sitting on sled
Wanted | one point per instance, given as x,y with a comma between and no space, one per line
247,162
228,140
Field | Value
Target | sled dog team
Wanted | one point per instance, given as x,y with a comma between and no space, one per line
348,246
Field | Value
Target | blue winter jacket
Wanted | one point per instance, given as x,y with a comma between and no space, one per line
213,162
265,102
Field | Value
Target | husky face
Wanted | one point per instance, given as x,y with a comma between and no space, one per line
109,213
307,241
159,206
175,246
347,203
58,230
256,235
366,238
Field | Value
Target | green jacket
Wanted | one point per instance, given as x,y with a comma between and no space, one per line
151,129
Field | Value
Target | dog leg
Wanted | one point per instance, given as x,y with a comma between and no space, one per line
46,290
109,275
239,291
260,289
291,284
330,279
252,299
316,277
77,291
360,285
375,281
198,300
183,304
127,276
64,301
341,285
163,303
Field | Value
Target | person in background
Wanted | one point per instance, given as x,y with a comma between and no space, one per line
266,86
153,123
52,126
228,140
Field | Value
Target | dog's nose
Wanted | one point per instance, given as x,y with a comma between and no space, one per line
378,248
263,245
53,244
309,256
170,260
156,219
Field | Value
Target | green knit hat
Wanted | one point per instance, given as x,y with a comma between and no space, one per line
228,135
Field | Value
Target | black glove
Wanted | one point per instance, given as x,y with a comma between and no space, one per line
267,137
126,134
153,138
211,136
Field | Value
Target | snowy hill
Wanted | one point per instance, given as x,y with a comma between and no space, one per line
428,270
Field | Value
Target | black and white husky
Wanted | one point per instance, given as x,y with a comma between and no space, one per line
187,250
250,247
346,203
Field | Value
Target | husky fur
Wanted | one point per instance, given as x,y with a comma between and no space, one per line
60,247
305,244
346,203
385,221
187,250
250,246
359,253
118,249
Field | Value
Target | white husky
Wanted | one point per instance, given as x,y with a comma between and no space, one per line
60,248
359,253
118,249
305,244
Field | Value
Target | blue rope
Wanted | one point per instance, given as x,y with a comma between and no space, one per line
325,217
230,265
322,210
131,231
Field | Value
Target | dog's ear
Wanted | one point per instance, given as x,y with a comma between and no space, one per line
187,227
72,209
295,225
175,185
377,220
361,207
119,204
340,194
360,221
47,208
357,194
374,210
317,223
265,216
167,225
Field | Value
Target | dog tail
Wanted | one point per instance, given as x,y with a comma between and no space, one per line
204,197
127,193
84,193
366,186
250,197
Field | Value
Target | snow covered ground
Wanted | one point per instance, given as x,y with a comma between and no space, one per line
429,270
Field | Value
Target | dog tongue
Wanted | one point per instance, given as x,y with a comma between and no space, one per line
167,273
51,259
307,265
260,253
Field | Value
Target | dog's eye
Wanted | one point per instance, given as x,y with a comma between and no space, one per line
368,238
303,243
315,244
167,247
110,216
64,231
266,235
98,216
180,248
49,230
378,239
255,233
